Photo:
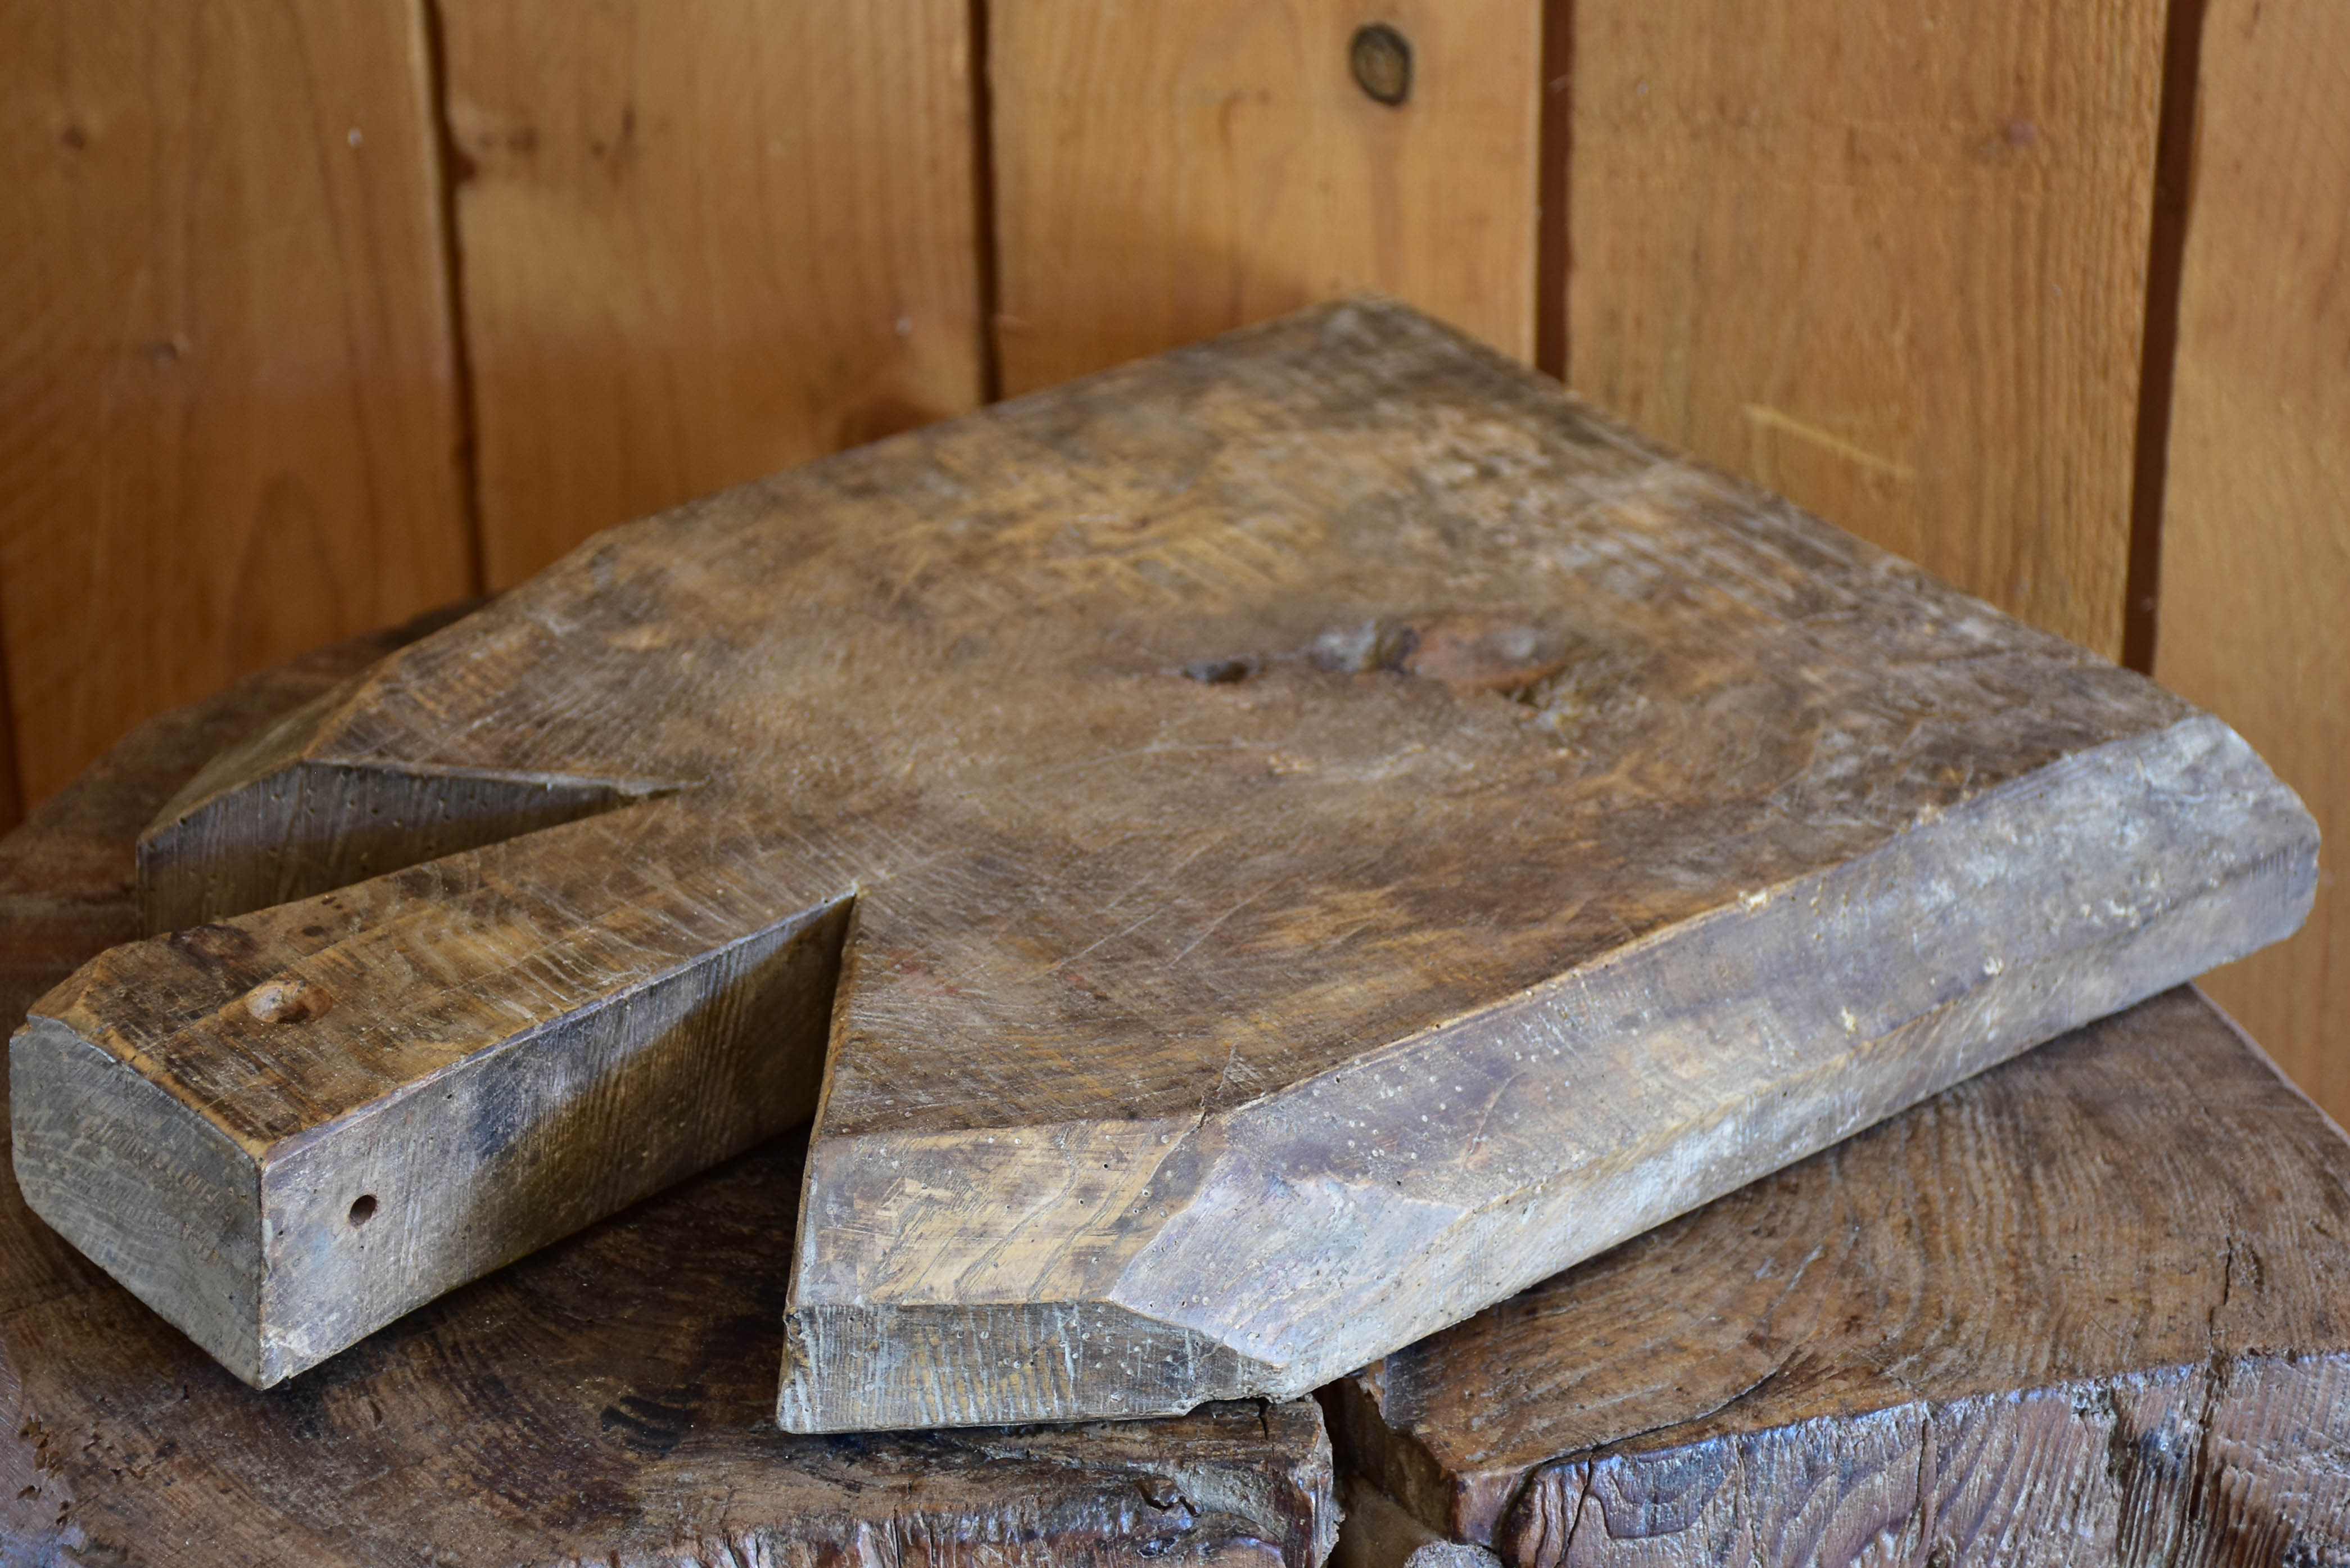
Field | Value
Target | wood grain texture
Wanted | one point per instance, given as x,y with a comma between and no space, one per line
1885,259
71,890
2088,1307
701,240
1278,784
12,791
1166,172
227,410
2256,539
604,1402
1376,1531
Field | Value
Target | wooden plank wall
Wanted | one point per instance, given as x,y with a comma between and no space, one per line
228,425
320,312
1164,172
702,240
1889,259
2255,583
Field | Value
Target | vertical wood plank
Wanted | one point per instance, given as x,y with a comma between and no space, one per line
703,240
2254,619
1169,172
1886,258
11,787
227,421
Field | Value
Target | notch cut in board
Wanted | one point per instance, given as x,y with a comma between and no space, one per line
1300,837
609,1389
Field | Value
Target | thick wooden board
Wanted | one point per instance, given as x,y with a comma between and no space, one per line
2254,572
71,888
1888,260
1317,832
703,239
607,1401
1165,173
228,425
2086,1308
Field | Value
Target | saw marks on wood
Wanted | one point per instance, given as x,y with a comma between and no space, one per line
2086,1308
68,890
1317,832
607,1400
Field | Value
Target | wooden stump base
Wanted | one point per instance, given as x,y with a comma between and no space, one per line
2092,1306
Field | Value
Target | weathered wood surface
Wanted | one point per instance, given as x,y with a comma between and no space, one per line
608,1401
2091,1307
68,882
2255,541
1322,832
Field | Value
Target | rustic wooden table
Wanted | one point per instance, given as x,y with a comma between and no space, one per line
2086,1307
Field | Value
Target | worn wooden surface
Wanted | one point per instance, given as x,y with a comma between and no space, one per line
701,240
1164,172
1334,834
1885,259
227,411
607,1401
2088,1307
2256,543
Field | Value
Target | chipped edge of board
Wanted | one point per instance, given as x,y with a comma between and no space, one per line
874,1344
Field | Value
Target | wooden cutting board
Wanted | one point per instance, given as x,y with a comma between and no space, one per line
1248,859
608,1400
2087,1308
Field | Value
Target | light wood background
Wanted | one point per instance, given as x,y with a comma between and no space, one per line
316,313
2255,584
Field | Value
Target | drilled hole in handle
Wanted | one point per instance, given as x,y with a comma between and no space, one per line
287,1000
362,1209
